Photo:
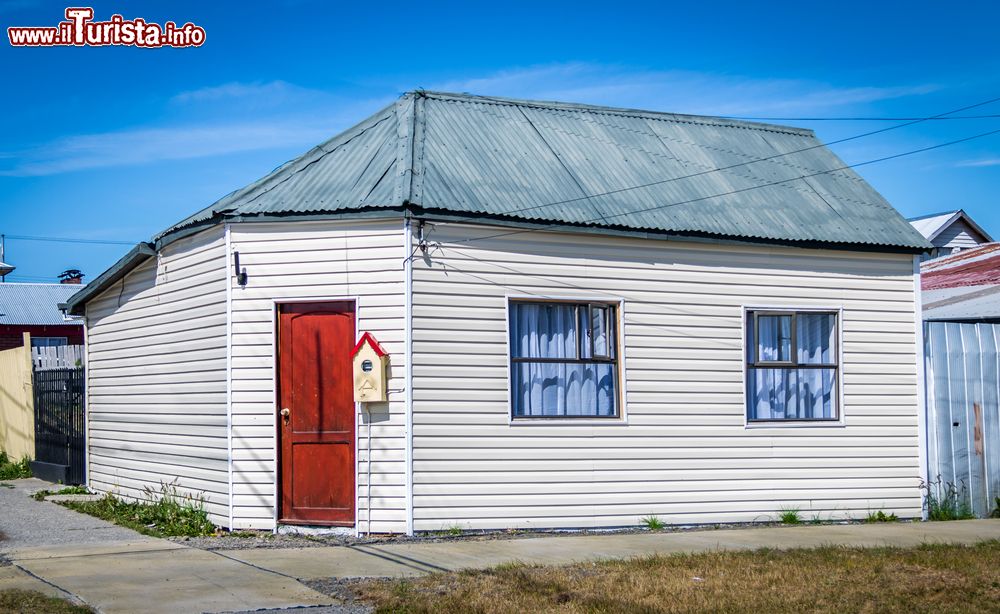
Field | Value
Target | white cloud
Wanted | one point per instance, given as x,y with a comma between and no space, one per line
979,163
678,91
140,146
237,117
271,91
304,119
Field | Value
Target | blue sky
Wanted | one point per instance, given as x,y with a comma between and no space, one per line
118,143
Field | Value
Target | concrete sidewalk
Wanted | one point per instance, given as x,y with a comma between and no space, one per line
415,558
61,553
162,577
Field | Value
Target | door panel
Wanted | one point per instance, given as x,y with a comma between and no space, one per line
315,382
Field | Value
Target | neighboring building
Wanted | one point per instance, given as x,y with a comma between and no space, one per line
34,309
950,232
563,350
961,300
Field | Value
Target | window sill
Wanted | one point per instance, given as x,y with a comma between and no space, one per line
795,424
616,421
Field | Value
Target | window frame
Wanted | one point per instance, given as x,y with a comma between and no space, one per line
837,365
615,334
64,341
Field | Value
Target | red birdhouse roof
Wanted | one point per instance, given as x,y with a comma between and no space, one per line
370,340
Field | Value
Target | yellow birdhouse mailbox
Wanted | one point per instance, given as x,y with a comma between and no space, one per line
370,361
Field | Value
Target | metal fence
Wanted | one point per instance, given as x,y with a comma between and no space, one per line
963,408
59,420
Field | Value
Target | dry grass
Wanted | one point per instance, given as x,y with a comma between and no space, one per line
926,579
30,602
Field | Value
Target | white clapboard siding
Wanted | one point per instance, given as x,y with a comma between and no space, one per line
157,377
291,261
685,453
959,235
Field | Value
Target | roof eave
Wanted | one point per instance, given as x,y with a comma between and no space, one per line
137,255
662,235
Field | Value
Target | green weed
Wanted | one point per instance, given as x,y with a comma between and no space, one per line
789,515
653,523
166,513
14,470
946,501
880,516
69,490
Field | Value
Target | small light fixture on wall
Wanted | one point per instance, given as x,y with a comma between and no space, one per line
241,273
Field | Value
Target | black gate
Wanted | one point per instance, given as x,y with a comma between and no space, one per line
60,447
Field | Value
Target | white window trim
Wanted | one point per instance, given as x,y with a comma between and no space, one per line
617,421
841,421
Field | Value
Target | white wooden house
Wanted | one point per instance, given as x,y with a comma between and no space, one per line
591,315
950,233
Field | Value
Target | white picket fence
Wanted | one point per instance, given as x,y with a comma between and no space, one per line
57,357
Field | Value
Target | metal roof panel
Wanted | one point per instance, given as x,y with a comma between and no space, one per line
34,304
581,165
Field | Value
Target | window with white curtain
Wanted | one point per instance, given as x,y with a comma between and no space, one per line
564,360
792,365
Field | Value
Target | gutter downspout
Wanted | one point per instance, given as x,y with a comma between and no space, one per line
229,366
86,397
408,369
920,351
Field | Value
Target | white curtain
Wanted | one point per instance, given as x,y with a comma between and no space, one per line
782,393
775,341
556,388
815,338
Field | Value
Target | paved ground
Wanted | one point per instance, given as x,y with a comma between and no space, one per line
59,552
413,559
27,522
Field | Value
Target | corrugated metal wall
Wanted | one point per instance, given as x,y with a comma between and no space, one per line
963,408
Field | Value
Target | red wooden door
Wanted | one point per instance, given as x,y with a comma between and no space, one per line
316,383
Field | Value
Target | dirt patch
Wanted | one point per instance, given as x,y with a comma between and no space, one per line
341,591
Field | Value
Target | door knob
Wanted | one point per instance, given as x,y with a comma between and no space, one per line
285,412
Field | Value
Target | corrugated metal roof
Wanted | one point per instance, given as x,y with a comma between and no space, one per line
963,286
34,304
962,303
971,267
930,226
548,162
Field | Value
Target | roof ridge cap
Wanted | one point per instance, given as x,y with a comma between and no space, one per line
621,111
405,128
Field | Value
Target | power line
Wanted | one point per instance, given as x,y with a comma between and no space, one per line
68,240
854,119
755,160
747,189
